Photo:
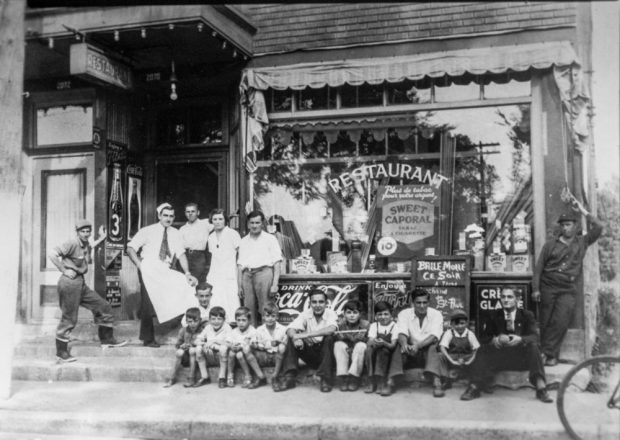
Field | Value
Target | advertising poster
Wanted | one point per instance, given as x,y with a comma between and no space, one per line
116,157
113,290
134,200
393,292
293,298
487,299
409,219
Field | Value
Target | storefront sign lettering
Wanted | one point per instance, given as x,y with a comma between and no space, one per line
93,64
394,169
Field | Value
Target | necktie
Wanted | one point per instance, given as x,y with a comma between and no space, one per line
164,250
510,323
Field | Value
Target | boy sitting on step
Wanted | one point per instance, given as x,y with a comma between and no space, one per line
382,340
350,345
458,346
239,349
213,343
187,349
270,340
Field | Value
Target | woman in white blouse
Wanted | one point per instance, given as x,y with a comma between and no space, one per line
223,244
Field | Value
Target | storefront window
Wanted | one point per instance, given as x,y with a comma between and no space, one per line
409,92
64,125
443,182
316,99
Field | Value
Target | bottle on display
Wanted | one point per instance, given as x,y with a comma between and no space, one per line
134,210
115,229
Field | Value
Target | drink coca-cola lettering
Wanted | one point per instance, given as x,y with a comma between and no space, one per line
115,213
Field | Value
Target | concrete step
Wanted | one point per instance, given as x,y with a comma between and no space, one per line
45,348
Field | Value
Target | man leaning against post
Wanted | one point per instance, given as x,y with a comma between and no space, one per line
557,277
258,267
72,259
310,337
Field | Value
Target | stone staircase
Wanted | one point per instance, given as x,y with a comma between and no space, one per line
35,360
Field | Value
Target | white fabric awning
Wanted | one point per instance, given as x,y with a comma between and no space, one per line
498,59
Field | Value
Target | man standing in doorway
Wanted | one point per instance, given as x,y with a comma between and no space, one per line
258,266
558,275
195,233
165,294
72,259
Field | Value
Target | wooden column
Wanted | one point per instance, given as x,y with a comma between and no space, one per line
11,188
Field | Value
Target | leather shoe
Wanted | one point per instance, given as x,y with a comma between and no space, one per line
551,362
344,383
151,344
326,387
387,389
438,392
371,387
354,383
543,396
285,383
257,382
202,381
221,383
170,383
470,393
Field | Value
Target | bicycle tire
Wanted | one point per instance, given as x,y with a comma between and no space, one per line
566,381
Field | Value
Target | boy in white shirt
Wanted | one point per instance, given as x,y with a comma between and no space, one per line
213,340
270,340
458,346
239,349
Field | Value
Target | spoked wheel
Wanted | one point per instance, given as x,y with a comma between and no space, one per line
588,399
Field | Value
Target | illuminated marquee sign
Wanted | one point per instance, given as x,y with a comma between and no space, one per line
94,65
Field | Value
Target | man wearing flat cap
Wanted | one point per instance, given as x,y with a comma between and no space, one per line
557,276
72,259
166,293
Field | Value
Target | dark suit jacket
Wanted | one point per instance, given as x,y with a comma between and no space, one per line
525,326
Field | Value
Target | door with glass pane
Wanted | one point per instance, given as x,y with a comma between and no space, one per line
63,193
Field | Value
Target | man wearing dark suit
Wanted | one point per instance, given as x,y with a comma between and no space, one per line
510,341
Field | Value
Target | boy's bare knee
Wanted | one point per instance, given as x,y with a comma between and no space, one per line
239,355
180,352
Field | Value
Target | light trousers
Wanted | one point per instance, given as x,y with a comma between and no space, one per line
344,355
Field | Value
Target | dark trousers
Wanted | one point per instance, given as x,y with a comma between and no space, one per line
319,355
556,313
490,360
197,264
73,293
378,360
147,313
427,358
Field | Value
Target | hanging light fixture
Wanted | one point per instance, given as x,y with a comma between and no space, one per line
50,43
173,83
224,45
234,53
117,36
143,32
200,27
171,26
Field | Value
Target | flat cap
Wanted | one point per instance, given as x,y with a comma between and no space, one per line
83,223
458,314
567,217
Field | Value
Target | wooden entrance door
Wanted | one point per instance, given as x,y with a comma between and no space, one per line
63,193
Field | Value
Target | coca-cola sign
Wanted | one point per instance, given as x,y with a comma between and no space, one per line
293,298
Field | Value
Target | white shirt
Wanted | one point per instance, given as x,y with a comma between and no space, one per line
263,336
209,335
195,234
409,325
236,336
376,328
447,337
148,239
306,322
263,250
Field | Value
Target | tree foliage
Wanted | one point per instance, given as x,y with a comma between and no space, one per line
609,242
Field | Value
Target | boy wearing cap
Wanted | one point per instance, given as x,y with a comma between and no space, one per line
458,347
558,276
72,259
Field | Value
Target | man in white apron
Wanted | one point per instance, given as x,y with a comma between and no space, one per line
166,293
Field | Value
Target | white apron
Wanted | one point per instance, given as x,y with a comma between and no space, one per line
168,289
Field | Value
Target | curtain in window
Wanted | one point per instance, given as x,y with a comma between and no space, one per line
64,203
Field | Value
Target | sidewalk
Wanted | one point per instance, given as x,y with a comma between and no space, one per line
148,411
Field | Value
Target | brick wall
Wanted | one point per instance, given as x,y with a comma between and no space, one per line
288,27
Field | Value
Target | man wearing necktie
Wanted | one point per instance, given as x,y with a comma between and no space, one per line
510,341
164,294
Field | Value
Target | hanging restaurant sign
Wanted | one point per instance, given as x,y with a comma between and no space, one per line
93,64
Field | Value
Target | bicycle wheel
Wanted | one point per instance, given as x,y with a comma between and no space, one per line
583,398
